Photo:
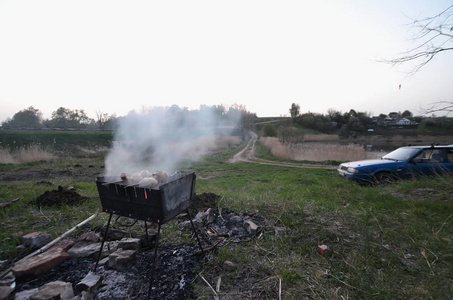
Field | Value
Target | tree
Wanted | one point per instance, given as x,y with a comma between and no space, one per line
104,121
364,118
354,124
439,106
30,117
352,113
68,118
294,110
433,36
269,130
406,114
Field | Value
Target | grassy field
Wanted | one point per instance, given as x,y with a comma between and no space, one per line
67,141
387,242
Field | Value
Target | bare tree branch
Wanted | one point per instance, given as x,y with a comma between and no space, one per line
440,106
434,35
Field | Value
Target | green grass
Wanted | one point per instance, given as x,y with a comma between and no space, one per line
388,242
378,233
56,140
23,217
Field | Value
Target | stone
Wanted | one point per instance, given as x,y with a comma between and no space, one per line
5,291
210,216
89,237
199,217
7,279
25,295
86,295
103,261
204,217
229,266
121,259
251,227
39,264
185,225
90,283
64,245
86,249
129,244
54,290
36,240
236,218
280,231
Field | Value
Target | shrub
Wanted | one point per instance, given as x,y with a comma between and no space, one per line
269,131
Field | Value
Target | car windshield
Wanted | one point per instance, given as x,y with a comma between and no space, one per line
401,154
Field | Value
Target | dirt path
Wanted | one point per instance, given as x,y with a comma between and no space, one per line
248,155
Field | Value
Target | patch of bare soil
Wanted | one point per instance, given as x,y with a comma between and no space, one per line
204,201
59,197
87,172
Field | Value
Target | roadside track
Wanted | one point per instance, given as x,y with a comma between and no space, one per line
248,155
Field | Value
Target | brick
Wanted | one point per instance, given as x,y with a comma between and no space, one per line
54,290
39,264
90,283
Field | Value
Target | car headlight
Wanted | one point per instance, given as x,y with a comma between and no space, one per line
352,170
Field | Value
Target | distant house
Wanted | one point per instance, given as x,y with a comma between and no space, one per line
403,121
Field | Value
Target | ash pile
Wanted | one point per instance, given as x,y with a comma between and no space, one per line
125,269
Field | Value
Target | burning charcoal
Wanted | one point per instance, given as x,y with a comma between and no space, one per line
148,182
161,176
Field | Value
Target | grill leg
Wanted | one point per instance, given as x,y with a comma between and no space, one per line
195,230
154,261
102,244
146,230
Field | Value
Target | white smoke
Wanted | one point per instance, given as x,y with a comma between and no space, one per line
160,138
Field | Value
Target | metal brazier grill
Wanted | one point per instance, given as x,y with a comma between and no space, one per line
157,205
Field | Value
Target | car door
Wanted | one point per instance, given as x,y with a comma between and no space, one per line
448,165
433,161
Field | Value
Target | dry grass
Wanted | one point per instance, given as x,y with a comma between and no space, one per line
317,151
25,155
394,141
6,157
328,138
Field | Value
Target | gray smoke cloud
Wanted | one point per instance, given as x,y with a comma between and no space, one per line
160,138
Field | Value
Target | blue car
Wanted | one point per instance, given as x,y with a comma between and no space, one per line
402,163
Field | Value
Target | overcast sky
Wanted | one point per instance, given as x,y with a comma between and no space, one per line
118,56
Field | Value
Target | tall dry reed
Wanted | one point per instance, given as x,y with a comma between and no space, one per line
6,157
24,155
317,151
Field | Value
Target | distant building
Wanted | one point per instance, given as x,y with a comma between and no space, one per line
403,121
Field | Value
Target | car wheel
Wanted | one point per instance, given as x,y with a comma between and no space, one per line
385,178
